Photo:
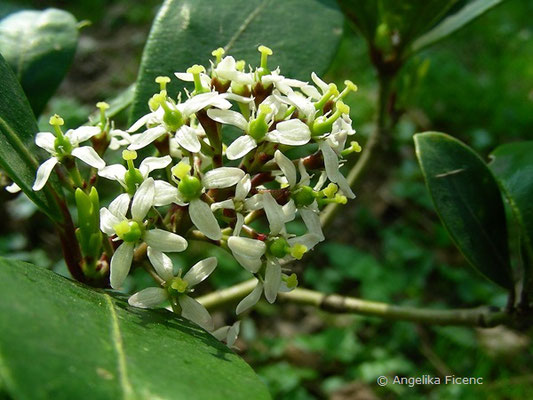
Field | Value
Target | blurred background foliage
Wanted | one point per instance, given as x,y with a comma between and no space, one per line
387,245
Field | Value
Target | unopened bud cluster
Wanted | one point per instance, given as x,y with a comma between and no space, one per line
232,162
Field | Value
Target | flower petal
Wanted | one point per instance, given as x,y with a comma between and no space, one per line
13,188
140,122
202,217
240,147
243,188
312,222
228,117
233,333
107,221
200,271
331,163
293,133
152,163
121,264
148,298
143,199
119,206
238,224
286,166
187,138
43,173
250,300
165,193
222,177
319,82
82,133
247,247
248,263
46,140
195,312
161,263
164,241
115,172
147,137
274,213
272,280
225,204
89,156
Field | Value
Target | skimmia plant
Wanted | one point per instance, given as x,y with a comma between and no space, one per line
231,161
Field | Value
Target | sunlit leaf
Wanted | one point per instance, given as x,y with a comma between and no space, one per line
186,31
468,201
61,340
39,46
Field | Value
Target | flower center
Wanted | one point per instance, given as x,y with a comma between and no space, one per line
129,231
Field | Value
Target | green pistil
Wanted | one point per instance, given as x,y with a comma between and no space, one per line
162,80
323,125
279,247
304,196
133,176
129,231
103,106
62,145
196,70
291,281
218,53
178,286
190,187
258,127
354,148
332,91
265,52
172,118
350,87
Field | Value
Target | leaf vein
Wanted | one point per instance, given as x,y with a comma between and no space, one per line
245,24
119,348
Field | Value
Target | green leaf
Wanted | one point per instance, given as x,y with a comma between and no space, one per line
468,202
454,22
303,34
17,130
388,24
39,46
512,164
61,340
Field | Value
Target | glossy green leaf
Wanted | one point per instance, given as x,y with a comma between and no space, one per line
468,201
302,33
512,164
61,340
455,22
39,46
17,150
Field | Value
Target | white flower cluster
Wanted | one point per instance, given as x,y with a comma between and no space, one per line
198,184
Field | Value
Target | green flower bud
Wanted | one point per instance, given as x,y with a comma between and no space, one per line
258,127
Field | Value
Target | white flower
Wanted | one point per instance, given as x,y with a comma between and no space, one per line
238,202
119,139
331,163
178,287
67,145
189,192
228,333
292,132
270,287
185,135
284,85
113,221
227,70
117,172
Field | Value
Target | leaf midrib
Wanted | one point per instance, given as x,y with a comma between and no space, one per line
116,339
245,24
